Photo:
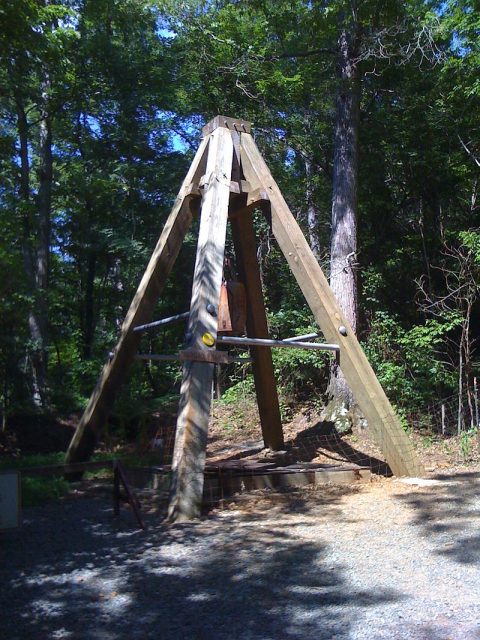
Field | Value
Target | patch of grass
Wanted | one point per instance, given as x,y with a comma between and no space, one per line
38,491
32,460
238,392
467,442
428,440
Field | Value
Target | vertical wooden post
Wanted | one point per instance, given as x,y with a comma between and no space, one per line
475,392
196,391
460,391
382,421
141,308
265,383
443,419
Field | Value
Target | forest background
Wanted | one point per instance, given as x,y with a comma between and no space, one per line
102,104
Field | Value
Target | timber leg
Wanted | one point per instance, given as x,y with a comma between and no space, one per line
188,463
141,308
257,327
382,421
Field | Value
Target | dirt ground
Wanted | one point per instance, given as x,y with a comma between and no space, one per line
305,433
388,559
392,558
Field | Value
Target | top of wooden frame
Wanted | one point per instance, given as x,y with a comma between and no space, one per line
234,124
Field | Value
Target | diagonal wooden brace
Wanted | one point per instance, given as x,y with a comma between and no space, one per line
382,421
140,312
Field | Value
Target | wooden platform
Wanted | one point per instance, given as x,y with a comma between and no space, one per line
238,476
226,478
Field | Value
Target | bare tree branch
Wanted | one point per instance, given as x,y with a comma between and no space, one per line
470,153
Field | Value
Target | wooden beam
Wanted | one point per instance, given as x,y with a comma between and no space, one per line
196,391
140,312
382,421
233,124
239,186
256,199
265,384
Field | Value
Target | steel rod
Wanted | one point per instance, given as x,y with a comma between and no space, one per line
162,322
307,336
173,356
263,342
157,356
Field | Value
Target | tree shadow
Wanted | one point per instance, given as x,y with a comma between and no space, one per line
323,438
74,572
449,512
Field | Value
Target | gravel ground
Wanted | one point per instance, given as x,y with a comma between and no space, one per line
384,560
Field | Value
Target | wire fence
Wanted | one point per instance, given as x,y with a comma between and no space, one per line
310,459
448,416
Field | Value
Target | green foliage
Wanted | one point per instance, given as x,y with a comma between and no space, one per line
238,391
409,362
240,401
301,374
471,240
38,491
42,489
468,441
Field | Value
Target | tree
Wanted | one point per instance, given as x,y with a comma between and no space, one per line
31,54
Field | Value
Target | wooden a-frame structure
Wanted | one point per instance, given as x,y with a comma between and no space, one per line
227,180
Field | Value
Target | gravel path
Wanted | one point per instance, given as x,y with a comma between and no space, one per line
385,560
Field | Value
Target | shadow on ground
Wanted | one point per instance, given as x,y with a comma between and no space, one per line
74,572
449,513
323,438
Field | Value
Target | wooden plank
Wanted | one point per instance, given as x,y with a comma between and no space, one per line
140,312
256,199
240,186
196,391
382,421
265,384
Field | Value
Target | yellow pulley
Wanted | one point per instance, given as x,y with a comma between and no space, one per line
208,339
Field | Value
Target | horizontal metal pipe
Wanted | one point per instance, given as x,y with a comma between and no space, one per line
307,336
157,356
161,323
263,342
173,356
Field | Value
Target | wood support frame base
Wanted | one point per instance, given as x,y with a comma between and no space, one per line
228,156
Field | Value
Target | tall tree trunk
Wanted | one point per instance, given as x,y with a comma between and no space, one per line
24,186
38,319
38,258
88,272
88,315
31,258
312,213
344,203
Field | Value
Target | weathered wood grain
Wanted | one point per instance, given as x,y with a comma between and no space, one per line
196,391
